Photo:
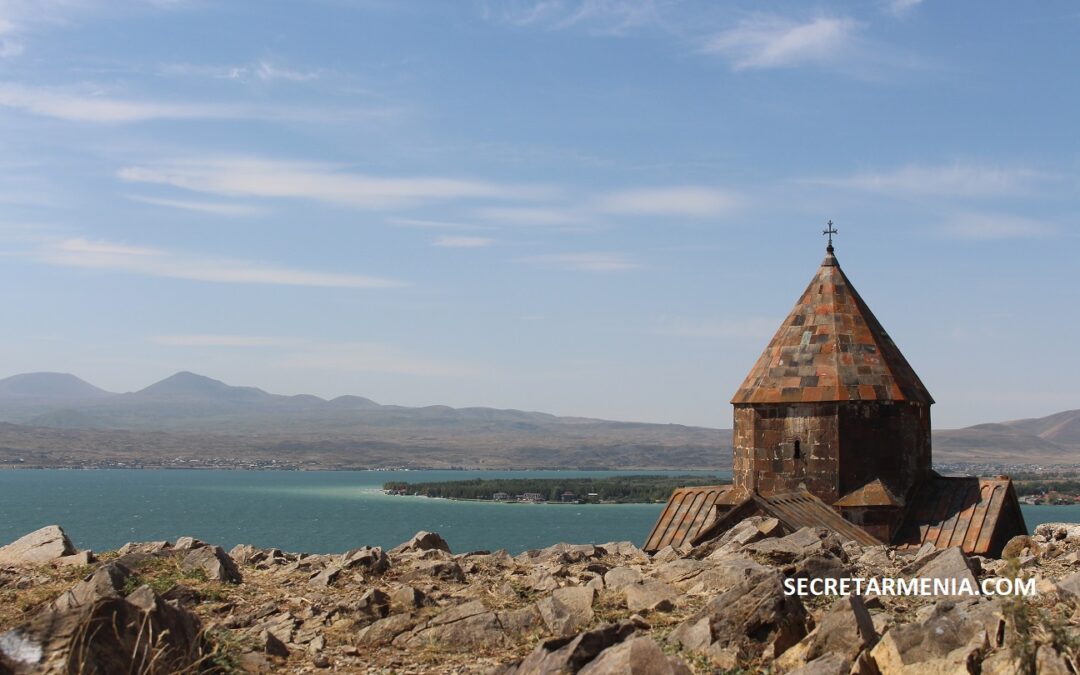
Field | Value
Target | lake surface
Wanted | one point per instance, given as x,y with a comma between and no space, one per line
317,511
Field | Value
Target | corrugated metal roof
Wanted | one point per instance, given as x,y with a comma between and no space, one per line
802,509
831,348
976,514
691,511
688,511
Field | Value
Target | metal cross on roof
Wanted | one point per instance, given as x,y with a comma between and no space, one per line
831,231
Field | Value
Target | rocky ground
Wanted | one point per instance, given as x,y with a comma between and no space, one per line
186,606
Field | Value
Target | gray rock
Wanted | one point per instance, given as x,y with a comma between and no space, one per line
146,547
40,546
408,599
822,565
567,610
108,636
106,582
423,541
326,577
214,562
650,596
79,559
754,618
829,664
618,577
951,638
725,574
948,565
371,560
373,605
570,654
270,644
522,622
635,656
459,628
1059,531
844,631
384,631
446,570
1070,586
188,544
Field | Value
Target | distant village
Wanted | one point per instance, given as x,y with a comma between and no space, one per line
566,497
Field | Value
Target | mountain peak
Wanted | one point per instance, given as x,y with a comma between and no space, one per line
48,387
186,384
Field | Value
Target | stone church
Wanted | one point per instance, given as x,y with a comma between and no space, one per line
832,429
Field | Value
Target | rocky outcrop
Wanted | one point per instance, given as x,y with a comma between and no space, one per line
593,609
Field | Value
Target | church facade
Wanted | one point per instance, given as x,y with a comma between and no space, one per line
832,428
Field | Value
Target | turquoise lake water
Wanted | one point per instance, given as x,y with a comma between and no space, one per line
316,511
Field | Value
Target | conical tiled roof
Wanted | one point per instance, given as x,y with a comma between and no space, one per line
831,348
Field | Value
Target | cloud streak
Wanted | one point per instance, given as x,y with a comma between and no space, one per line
462,242
771,41
107,256
215,208
254,177
687,201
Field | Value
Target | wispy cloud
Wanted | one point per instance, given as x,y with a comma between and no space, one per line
95,106
216,208
901,7
102,255
207,340
995,226
602,17
586,262
438,224
72,106
955,180
750,327
260,71
772,41
462,242
254,177
530,216
371,357
690,201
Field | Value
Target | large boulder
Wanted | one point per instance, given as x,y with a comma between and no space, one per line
140,633
570,654
567,610
422,541
460,628
636,656
650,596
845,631
370,559
40,546
755,618
954,637
951,567
444,570
214,562
106,582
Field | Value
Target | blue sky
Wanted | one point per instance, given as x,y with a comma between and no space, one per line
589,207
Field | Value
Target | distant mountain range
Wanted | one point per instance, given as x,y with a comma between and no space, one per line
60,419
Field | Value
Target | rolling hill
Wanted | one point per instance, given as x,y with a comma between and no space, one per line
59,418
